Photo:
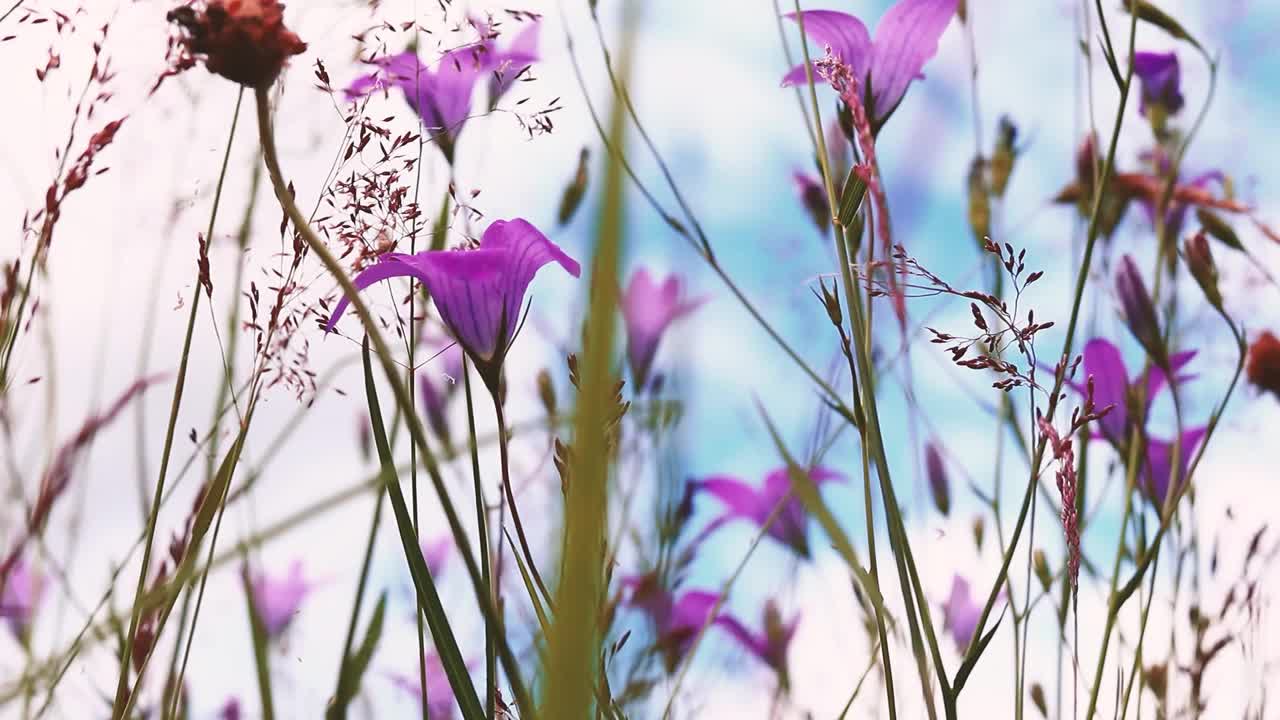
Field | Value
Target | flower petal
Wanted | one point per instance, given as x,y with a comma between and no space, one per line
1103,362
906,38
388,266
843,33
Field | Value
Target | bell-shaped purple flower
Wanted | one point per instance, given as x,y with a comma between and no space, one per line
277,600
906,39
677,621
442,97
960,613
440,700
23,588
648,309
479,292
1161,81
744,502
770,645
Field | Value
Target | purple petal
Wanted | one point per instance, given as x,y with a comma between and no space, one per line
906,38
1160,467
961,613
1161,80
843,33
741,499
278,600
1103,362
648,310
1156,379
388,266
22,590
755,644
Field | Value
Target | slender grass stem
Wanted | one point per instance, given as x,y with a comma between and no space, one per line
482,540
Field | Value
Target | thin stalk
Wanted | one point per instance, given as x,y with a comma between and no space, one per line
344,662
122,684
482,540
504,456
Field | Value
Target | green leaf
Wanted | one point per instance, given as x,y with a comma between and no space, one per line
1219,229
966,667
360,662
428,599
1149,13
851,196
260,660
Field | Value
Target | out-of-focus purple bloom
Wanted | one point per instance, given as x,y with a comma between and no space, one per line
906,38
230,709
1138,310
1113,386
677,621
440,702
438,383
770,645
436,553
1176,213
22,590
442,97
1161,81
648,309
277,600
478,292
745,502
814,198
939,484
960,613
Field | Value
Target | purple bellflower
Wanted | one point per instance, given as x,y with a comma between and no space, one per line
442,97
22,590
277,600
960,613
906,38
677,621
440,701
1113,386
438,383
771,644
478,292
648,309
744,502
1161,82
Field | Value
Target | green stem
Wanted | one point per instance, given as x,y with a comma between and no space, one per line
482,539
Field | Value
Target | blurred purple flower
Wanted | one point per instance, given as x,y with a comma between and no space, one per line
939,483
756,505
442,97
22,590
960,613
814,198
1113,386
676,621
1161,81
440,702
771,644
277,599
478,292
436,553
1138,310
648,310
906,38
1176,213
438,383
230,709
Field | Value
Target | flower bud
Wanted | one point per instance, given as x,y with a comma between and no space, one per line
574,191
1263,369
242,40
814,199
1037,699
979,201
1003,158
939,483
1041,564
1200,262
1139,312
979,531
547,392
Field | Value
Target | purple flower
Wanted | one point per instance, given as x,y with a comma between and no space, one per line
478,292
230,709
442,97
1138,310
22,590
771,644
960,613
1160,79
939,483
277,599
677,622
1112,386
436,553
906,38
744,502
440,701
648,310
438,383
813,196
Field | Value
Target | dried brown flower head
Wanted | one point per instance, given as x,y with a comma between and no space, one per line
241,40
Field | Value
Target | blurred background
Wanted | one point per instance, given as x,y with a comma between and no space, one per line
707,86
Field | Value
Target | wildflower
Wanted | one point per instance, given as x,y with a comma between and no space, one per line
1068,483
242,40
747,503
1138,310
436,553
648,310
478,292
1263,369
230,709
960,613
939,483
277,600
814,198
1199,258
438,384
442,97
770,645
439,694
1112,386
906,38
677,622
1161,92
22,590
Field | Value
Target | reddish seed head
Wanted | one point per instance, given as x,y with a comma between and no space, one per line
241,40
1263,369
